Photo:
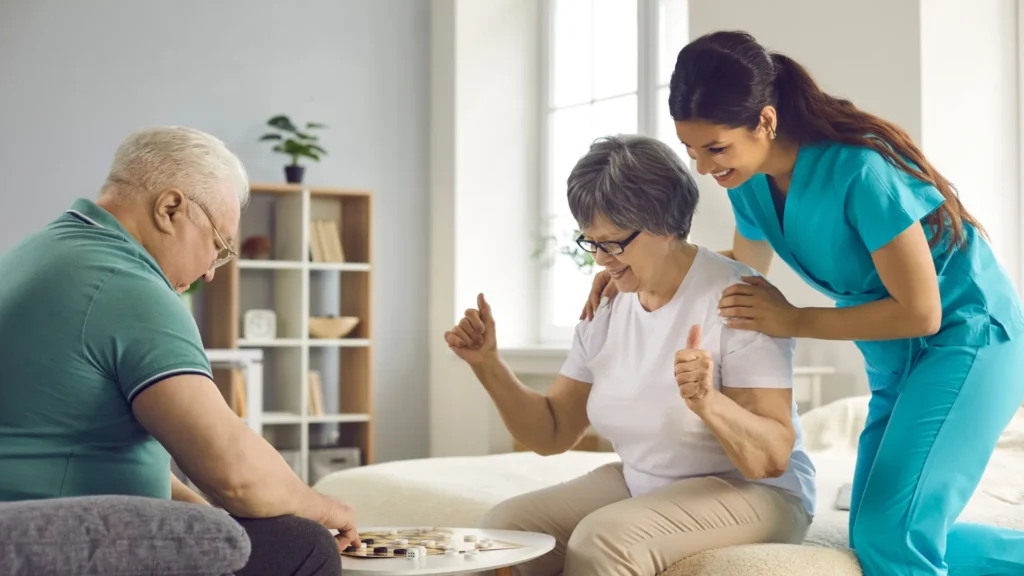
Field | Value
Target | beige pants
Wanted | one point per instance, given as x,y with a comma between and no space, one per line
600,529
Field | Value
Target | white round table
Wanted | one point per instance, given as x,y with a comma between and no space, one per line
533,545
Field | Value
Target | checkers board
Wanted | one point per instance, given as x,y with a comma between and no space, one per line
415,542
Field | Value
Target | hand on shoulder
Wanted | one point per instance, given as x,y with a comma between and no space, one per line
603,288
756,304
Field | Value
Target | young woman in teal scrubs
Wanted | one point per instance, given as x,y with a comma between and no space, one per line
850,203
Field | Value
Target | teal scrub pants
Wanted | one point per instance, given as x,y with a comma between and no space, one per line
925,445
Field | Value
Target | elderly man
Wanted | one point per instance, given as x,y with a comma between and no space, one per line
105,376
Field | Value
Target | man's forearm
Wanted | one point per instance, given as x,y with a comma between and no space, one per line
759,447
525,412
182,493
256,482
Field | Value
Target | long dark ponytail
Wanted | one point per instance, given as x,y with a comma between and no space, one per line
728,78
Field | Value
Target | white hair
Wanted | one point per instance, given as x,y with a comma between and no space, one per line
198,164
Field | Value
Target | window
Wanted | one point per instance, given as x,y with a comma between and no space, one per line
608,65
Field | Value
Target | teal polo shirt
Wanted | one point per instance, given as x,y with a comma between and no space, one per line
87,322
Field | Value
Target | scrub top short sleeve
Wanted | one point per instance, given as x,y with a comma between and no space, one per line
883,200
746,225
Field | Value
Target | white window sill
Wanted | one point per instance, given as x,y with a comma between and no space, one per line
534,360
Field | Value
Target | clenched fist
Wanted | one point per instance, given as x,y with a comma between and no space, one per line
694,372
473,338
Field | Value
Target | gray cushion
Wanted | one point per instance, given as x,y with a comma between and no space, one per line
118,535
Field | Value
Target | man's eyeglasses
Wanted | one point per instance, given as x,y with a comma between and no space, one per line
226,252
610,247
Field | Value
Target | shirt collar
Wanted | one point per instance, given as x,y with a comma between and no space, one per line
91,213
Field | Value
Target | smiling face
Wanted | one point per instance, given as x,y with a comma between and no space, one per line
731,155
637,267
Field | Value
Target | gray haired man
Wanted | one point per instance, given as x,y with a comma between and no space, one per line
106,377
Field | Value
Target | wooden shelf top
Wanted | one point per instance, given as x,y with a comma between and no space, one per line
285,188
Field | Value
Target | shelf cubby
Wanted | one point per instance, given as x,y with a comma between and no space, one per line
297,279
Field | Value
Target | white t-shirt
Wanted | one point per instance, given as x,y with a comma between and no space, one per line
628,355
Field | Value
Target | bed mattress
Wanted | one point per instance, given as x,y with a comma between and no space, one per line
458,491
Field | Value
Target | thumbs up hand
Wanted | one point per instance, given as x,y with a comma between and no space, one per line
473,338
694,372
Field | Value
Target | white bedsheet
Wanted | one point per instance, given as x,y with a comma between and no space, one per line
458,491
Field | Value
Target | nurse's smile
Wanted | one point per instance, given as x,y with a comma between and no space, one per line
722,176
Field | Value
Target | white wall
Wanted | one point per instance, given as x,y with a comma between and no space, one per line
79,76
969,112
484,121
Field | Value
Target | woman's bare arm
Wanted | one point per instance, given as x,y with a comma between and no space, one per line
754,427
182,493
757,254
912,309
549,423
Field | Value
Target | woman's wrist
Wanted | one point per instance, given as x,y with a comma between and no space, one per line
488,363
706,409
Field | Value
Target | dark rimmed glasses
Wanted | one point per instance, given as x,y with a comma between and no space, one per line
610,247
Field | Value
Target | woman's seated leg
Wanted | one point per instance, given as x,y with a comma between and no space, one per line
643,536
289,546
556,510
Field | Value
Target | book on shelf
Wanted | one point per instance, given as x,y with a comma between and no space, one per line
316,394
325,242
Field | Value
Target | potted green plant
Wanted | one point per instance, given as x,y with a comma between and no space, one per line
294,143
568,247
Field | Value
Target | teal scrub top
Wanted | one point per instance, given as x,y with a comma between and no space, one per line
845,202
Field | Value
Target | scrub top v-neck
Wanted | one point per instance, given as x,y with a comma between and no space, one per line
779,199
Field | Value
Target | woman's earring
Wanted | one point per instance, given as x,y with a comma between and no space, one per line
771,135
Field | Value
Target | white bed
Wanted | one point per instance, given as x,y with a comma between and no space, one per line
458,491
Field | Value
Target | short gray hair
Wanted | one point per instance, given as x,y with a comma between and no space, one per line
637,183
198,164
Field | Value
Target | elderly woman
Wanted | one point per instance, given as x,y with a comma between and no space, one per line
701,415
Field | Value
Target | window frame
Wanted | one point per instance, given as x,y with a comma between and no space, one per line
648,44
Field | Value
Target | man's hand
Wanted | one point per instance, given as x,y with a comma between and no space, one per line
694,371
339,516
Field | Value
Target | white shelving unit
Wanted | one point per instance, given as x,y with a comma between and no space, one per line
295,287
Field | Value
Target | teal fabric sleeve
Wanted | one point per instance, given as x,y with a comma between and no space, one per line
746,225
883,200
139,332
